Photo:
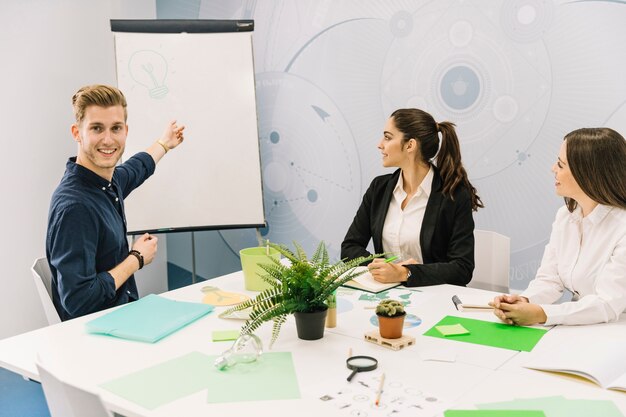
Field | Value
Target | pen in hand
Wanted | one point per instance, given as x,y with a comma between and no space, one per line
393,258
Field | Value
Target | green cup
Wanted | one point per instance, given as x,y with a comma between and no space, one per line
251,258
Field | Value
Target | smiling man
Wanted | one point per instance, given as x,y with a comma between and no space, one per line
86,246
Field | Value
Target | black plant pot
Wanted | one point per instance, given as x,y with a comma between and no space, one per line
310,326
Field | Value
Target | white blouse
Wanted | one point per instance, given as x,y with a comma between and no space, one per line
401,230
586,255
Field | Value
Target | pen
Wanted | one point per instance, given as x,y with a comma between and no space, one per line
393,258
380,389
457,301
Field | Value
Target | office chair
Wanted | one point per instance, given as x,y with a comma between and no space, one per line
43,281
65,400
492,258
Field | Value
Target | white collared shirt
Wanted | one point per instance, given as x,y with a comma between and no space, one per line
401,230
586,255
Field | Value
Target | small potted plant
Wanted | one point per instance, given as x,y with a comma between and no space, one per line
390,318
302,288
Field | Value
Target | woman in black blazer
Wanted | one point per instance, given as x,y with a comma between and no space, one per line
438,197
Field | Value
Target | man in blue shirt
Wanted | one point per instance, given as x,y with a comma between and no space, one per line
86,246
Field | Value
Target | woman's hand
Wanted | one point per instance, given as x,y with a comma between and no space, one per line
514,309
387,272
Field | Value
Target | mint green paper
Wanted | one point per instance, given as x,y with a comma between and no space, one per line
148,319
559,406
494,413
490,334
273,377
165,382
224,335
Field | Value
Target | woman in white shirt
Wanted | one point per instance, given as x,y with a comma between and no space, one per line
587,249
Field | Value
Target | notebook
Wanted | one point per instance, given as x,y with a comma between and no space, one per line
366,282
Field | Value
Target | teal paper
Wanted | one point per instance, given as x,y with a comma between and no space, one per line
490,334
273,377
148,319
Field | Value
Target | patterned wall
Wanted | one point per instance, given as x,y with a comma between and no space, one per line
515,76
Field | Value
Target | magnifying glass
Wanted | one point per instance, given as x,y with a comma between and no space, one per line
360,364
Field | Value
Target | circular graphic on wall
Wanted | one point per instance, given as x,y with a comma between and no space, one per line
310,165
465,71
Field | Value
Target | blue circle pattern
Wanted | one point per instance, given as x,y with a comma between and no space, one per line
460,87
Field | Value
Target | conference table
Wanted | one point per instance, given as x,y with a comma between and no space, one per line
444,374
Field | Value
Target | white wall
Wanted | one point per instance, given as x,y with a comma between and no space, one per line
49,49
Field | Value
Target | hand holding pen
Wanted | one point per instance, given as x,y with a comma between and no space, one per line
384,270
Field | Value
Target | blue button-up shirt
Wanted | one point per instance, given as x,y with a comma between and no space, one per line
86,236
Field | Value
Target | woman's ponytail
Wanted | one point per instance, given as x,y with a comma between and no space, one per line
450,166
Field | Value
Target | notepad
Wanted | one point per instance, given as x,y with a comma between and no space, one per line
452,330
602,362
366,282
490,334
148,319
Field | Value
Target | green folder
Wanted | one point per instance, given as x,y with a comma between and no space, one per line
148,319
494,413
272,377
491,334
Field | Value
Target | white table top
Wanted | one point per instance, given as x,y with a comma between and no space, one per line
479,374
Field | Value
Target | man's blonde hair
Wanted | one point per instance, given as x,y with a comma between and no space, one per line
97,95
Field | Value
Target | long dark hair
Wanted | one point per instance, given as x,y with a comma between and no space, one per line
421,126
597,159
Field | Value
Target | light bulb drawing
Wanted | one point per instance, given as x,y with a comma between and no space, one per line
149,68
247,348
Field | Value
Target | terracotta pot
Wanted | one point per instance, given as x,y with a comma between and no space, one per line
310,326
391,327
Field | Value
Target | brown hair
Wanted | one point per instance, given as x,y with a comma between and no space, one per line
97,95
421,126
597,159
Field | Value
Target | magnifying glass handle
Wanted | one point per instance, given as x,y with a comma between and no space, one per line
352,375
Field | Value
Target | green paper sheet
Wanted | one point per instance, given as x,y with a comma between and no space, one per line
273,377
148,319
224,335
559,406
491,334
494,413
452,330
164,383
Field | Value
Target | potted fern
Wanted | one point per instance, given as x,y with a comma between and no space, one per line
390,318
300,288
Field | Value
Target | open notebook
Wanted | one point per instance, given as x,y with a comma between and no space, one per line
148,319
366,282
602,361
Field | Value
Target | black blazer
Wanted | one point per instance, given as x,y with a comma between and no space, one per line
446,235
